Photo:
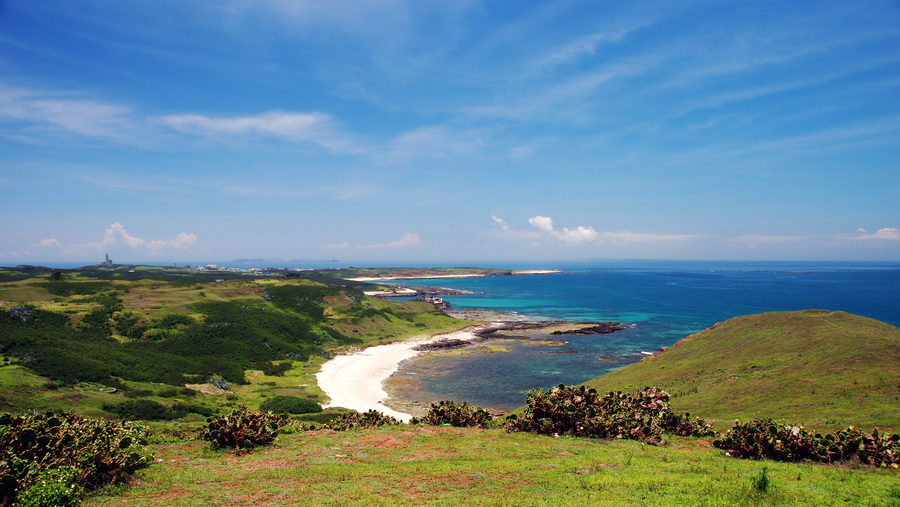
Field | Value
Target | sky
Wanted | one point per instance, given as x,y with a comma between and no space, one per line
384,131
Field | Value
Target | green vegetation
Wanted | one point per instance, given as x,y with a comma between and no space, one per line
428,465
825,370
93,345
48,459
763,438
582,412
358,421
290,405
178,350
461,415
242,430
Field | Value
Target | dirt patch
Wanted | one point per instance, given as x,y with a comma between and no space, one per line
425,455
381,441
205,389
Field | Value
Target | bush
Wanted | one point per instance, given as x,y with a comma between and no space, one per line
455,414
581,412
356,420
146,410
43,455
290,405
271,369
57,487
241,429
763,438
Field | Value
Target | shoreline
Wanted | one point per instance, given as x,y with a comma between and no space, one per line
469,275
356,381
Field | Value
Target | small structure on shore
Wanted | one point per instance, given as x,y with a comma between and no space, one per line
436,301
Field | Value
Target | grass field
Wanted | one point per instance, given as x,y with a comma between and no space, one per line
423,465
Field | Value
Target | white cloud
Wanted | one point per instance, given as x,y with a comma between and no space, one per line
580,234
117,234
500,222
583,46
408,240
314,127
886,233
335,245
65,112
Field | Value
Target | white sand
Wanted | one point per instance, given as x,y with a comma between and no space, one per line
355,380
536,272
424,277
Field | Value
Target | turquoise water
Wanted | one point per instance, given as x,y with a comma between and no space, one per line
663,301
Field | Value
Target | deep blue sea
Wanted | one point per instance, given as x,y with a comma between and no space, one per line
664,301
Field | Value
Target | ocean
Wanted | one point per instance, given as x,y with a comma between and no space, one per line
661,301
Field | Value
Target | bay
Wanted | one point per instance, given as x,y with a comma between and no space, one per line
661,301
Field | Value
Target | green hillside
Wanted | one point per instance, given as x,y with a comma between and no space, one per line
819,368
85,341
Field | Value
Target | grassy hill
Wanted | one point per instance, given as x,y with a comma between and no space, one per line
84,339
819,368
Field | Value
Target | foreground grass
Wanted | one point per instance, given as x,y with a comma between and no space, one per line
421,465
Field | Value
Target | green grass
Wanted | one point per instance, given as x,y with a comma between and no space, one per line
420,465
826,370
298,319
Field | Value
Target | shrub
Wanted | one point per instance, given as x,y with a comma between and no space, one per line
581,412
146,410
461,415
43,455
241,429
763,438
290,405
356,420
271,369
57,487
173,320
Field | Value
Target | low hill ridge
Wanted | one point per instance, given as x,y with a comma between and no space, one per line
824,369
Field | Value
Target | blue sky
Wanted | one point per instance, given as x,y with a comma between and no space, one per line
390,130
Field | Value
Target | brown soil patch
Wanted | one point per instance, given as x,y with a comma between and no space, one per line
425,455
205,388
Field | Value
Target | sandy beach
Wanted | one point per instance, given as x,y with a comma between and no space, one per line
355,380
469,275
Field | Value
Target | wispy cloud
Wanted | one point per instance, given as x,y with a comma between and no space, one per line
37,112
500,222
767,239
310,127
625,237
436,141
409,240
585,45
115,235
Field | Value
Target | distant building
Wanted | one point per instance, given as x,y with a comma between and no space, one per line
108,261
